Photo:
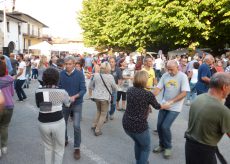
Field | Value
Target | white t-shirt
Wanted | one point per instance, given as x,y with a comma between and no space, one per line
158,63
173,86
22,65
194,78
37,63
127,59
131,68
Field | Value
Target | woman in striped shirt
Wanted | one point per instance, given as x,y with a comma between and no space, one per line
51,122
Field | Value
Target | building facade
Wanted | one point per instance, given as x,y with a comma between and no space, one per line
22,31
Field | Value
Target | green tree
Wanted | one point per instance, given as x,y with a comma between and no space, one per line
131,24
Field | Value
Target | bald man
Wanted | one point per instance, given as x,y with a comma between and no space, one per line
204,75
174,85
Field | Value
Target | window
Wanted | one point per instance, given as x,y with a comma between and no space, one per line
29,42
38,32
8,26
24,43
28,29
32,29
19,30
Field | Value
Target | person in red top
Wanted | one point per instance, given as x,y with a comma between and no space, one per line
2,58
219,66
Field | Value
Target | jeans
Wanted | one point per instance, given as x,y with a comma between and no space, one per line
5,117
34,73
142,146
102,109
165,120
77,110
192,94
19,90
113,106
53,137
199,92
158,74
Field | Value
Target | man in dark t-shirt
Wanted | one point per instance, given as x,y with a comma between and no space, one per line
205,129
227,102
117,74
204,75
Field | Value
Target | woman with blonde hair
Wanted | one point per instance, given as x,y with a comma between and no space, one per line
137,111
42,66
102,85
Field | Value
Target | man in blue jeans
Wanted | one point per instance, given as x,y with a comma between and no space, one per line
204,75
117,74
73,81
174,85
20,78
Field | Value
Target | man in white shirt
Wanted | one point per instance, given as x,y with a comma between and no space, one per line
158,67
20,78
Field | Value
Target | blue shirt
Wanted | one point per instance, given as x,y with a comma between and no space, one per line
203,71
73,84
8,64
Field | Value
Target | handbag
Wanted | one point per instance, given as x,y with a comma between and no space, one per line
111,101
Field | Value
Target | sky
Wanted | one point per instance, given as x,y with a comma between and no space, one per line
59,15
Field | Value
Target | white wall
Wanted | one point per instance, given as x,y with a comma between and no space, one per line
12,35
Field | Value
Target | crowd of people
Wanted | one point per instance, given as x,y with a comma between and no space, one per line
201,81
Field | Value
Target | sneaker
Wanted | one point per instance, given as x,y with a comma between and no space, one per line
188,103
111,117
4,150
93,128
98,133
167,153
158,149
155,132
66,143
77,154
106,120
118,109
19,100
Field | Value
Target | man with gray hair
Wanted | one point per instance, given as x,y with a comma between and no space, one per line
209,120
73,81
204,75
174,85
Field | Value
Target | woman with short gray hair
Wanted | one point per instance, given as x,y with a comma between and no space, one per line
102,85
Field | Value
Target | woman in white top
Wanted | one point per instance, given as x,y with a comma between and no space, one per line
131,66
193,75
102,84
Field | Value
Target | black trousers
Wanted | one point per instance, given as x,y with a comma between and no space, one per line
19,90
121,94
197,153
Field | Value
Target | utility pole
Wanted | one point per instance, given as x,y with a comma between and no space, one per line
4,24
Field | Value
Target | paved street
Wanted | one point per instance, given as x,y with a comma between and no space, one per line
113,147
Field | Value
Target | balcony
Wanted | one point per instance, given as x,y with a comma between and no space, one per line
32,35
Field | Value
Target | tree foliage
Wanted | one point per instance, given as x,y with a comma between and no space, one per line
148,23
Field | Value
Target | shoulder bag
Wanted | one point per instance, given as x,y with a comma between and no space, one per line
111,101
